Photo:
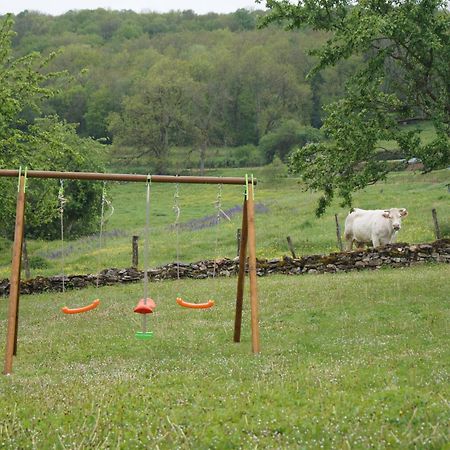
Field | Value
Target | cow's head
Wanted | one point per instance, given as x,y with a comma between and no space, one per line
394,215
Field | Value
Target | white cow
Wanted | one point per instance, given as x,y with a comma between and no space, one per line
379,226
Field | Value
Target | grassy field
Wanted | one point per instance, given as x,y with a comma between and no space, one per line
355,360
427,134
283,209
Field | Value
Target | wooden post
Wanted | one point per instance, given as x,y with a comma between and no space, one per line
25,260
291,246
14,289
338,233
252,270
238,240
241,276
135,252
437,231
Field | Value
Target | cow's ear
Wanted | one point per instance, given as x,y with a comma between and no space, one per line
403,212
386,214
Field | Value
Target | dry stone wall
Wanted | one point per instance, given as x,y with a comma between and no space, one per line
394,255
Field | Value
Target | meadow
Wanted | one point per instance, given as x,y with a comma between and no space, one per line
283,209
348,360
354,360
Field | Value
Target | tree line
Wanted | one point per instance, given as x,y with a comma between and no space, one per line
148,82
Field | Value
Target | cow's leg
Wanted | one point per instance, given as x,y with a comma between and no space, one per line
348,243
375,241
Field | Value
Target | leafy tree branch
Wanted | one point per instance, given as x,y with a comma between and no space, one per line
404,48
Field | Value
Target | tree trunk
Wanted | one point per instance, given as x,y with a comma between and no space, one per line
203,148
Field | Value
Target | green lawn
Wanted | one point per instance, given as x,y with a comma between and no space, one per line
427,134
284,210
356,360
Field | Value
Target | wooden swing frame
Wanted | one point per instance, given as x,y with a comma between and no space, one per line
248,241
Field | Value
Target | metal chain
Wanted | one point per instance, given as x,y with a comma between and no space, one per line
106,204
146,250
61,204
147,239
102,223
176,208
219,211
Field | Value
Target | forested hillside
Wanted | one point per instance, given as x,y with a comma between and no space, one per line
148,83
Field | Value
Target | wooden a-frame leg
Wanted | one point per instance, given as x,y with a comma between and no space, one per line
252,270
14,288
241,276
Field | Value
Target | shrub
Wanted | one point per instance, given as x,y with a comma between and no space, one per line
288,135
38,262
246,156
275,171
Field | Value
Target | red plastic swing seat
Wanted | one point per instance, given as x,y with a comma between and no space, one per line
145,307
206,305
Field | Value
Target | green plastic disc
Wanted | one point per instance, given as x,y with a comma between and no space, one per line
142,335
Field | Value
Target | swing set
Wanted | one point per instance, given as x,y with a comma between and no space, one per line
62,202
177,210
145,305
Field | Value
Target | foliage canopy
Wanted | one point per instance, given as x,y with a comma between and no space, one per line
29,139
241,83
404,50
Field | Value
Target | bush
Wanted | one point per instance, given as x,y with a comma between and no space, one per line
288,135
390,155
274,172
4,244
38,262
246,156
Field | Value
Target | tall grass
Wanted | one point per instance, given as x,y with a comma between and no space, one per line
348,361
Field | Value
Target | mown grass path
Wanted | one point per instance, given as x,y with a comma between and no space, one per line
354,360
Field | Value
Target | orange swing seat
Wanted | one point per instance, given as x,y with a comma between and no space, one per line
83,309
206,305
145,307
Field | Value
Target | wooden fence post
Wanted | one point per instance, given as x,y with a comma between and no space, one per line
25,260
338,233
291,246
238,240
135,252
437,231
